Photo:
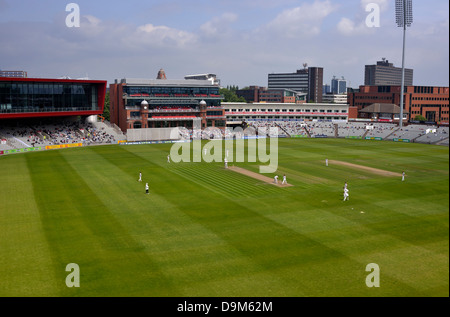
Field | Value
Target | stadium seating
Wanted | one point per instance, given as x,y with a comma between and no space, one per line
381,130
351,129
441,134
64,132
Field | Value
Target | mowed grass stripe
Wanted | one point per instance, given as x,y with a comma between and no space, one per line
25,262
80,229
222,181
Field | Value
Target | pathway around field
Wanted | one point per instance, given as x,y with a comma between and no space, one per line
257,176
366,168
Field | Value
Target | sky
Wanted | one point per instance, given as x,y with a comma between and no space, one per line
241,41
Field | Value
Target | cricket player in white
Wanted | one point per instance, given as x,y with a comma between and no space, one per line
326,162
146,188
168,158
226,162
346,194
140,177
275,179
284,180
403,176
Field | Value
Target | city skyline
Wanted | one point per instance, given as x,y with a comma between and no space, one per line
240,41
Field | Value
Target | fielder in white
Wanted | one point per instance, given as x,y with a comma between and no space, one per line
168,158
275,179
403,176
146,188
346,194
140,177
226,162
284,180
326,162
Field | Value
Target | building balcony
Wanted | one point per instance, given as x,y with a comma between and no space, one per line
177,96
216,117
176,110
282,113
172,118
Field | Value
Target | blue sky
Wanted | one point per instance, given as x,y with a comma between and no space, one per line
239,40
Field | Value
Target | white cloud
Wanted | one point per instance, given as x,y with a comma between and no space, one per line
349,27
218,25
304,20
163,35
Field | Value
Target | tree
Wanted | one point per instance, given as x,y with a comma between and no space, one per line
420,118
106,113
230,95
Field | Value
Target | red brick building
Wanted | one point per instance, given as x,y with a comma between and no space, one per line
431,102
164,103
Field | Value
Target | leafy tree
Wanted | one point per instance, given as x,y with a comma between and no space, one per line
106,113
229,94
420,118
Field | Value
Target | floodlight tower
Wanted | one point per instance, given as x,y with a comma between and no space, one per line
403,18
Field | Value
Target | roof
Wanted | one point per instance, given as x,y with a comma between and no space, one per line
166,82
381,108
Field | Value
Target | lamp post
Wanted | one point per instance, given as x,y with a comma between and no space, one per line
403,18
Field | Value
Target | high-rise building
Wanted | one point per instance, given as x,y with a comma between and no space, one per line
338,86
297,81
306,80
384,73
315,84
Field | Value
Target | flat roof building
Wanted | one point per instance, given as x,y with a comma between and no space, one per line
431,102
306,80
260,111
42,97
384,73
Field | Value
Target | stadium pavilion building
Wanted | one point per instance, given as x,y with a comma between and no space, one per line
41,97
165,103
260,111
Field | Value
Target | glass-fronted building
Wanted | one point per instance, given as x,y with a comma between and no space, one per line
37,97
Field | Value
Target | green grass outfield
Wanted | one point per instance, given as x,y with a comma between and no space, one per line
208,231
